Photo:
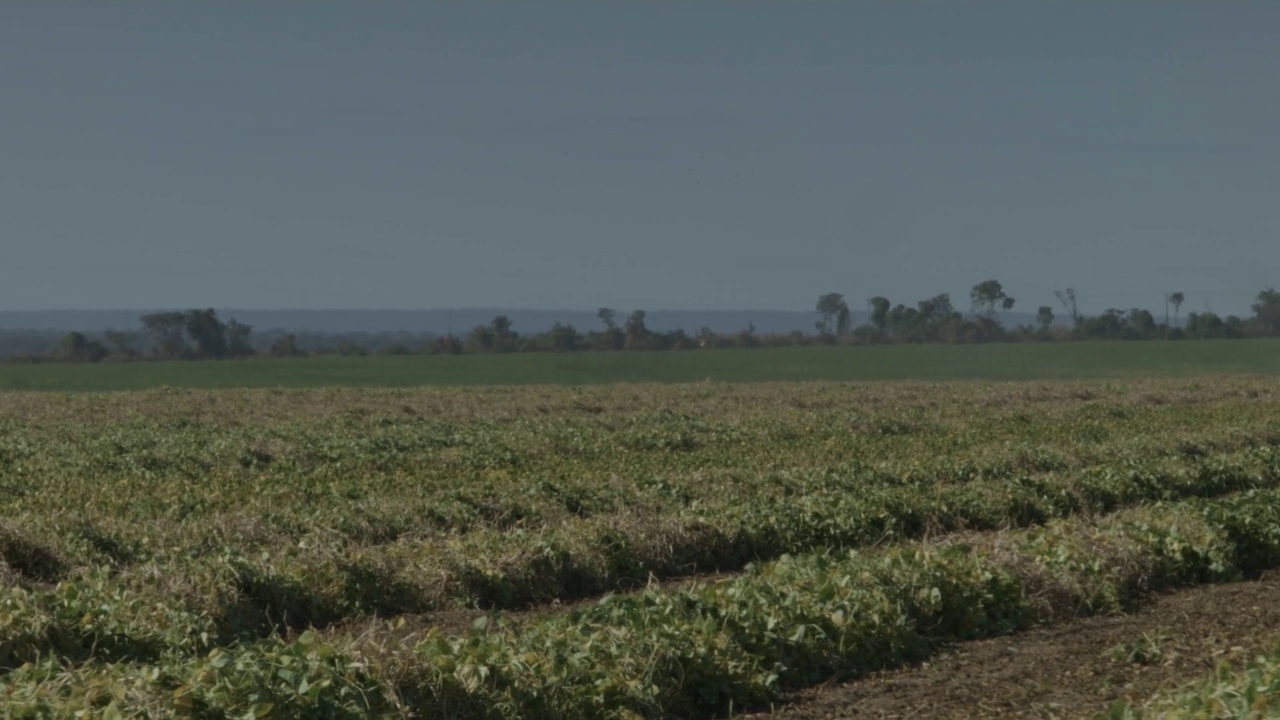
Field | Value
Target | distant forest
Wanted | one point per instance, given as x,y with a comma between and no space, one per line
199,334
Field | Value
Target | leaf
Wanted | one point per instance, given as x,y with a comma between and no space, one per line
182,698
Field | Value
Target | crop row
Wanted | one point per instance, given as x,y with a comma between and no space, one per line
320,584
318,581
1249,692
201,475
375,477
702,651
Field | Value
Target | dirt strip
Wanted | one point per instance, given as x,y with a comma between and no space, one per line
1072,670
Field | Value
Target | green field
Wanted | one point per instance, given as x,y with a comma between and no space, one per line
621,551
919,362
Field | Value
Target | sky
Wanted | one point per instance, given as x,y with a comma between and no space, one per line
661,155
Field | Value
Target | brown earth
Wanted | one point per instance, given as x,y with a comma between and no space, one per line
1076,669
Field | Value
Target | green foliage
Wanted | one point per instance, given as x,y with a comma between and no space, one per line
1267,310
1251,692
1025,361
987,296
1146,650
795,622
836,319
241,553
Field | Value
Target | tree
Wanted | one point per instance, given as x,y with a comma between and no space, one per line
879,311
903,322
447,345
612,338
986,295
1142,324
1177,299
562,338
834,311
501,325
1109,325
936,308
497,336
238,339
1044,317
1068,299
677,339
480,339
208,332
504,338
1205,326
935,319
74,347
347,347
637,332
287,346
168,331
1266,311
121,344
707,338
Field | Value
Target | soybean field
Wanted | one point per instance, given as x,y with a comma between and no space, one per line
622,550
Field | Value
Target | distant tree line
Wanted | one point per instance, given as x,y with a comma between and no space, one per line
196,335
937,320
199,334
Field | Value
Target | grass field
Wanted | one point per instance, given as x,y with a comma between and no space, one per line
615,551
918,362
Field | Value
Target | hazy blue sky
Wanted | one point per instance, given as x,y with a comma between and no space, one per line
648,154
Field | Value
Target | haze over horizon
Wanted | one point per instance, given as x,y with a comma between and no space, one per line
565,156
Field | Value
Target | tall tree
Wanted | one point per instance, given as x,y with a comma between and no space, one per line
562,338
238,339
1068,299
504,338
1177,299
75,347
637,331
832,308
1266,311
986,295
480,339
501,325
612,338
1044,317
844,320
168,331
1142,324
879,311
207,332
121,344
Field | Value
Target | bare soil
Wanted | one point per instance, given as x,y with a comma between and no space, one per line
1072,670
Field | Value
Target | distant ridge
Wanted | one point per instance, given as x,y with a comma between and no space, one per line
441,321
